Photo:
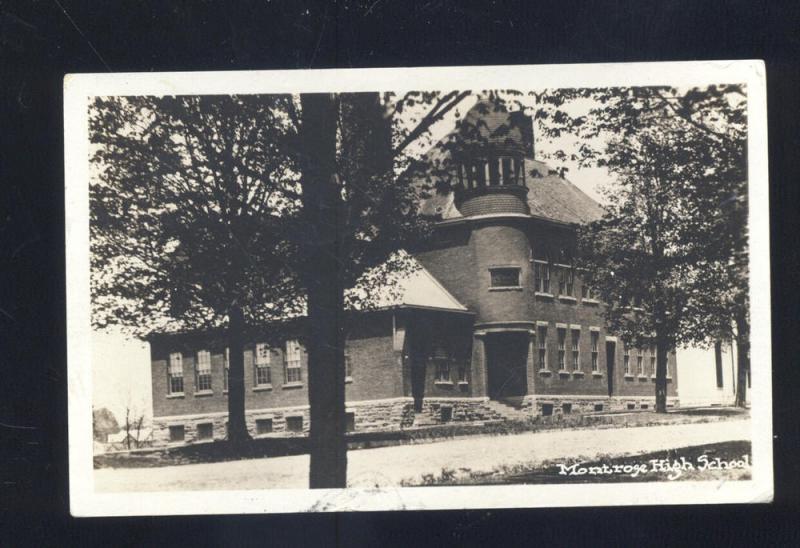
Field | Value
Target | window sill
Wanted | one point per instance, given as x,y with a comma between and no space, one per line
463,383
643,377
348,380
506,288
629,377
596,374
443,383
592,302
579,374
567,299
543,295
296,384
175,396
203,393
262,388
564,373
545,372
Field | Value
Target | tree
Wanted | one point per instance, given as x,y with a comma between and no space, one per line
186,197
356,216
103,423
703,133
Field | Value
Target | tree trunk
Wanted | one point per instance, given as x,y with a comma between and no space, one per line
237,427
323,216
742,358
662,357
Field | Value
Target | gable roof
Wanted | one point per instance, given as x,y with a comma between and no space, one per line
415,289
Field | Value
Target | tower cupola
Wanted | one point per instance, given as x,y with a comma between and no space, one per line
489,150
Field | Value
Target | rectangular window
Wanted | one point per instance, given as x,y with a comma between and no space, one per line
463,372
653,360
175,373
566,282
542,343
576,344
504,277
263,426
203,371
177,433
262,365
349,421
348,366
639,362
443,370
292,373
205,431
562,339
541,274
226,369
595,350
626,359
294,424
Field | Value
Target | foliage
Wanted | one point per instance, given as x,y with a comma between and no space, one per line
103,423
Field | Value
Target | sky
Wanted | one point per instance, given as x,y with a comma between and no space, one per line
121,365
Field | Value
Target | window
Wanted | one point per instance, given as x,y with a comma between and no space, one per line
639,362
205,431
541,274
595,350
446,413
262,365
566,408
508,178
504,277
292,372
653,360
541,340
226,369
348,366
175,373
442,370
576,341
598,407
562,336
349,421
588,292
463,372
177,433
263,426
626,359
547,409
203,371
294,424
566,282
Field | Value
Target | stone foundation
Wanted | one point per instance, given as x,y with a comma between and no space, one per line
444,410
566,404
377,415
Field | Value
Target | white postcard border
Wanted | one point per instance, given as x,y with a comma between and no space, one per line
84,501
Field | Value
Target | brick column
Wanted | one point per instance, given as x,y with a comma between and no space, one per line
478,365
531,362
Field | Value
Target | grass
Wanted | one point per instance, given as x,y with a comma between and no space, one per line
704,464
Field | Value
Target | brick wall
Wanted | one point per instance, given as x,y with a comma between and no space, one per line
375,368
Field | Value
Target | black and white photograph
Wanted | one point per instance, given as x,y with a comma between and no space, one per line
386,289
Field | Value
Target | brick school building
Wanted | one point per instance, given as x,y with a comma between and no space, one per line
494,323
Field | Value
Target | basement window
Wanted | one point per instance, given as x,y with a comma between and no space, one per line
547,409
294,424
350,421
566,408
263,426
205,431
598,407
504,277
446,413
177,433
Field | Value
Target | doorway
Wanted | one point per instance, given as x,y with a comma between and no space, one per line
611,352
506,365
